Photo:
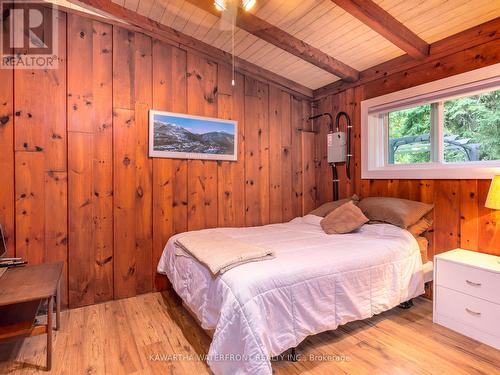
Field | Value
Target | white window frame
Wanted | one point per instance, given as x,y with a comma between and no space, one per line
374,131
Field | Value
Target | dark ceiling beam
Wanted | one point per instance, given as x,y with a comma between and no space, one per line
281,39
139,23
386,25
475,36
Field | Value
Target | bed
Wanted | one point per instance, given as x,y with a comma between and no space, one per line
315,283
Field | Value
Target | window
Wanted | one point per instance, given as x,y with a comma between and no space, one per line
472,128
445,129
409,135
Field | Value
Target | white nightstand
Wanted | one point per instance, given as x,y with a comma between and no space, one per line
467,294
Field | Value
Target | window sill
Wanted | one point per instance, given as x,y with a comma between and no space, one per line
434,171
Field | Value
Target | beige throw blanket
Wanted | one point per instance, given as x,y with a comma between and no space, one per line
218,252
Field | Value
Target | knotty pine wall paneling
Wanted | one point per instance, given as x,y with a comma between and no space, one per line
202,174
231,175
124,166
143,164
285,162
296,148
102,165
7,205
256,152
81,261
275,153
132,98
90,159
307,161
79,186
30,206
124,162
169,175
39,161
460,218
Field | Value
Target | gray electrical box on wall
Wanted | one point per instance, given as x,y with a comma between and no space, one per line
336,145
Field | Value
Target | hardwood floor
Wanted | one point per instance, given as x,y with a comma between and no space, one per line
128,336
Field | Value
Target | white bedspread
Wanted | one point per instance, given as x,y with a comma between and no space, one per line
316,283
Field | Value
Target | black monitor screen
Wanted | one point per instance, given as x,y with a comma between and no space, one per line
3,248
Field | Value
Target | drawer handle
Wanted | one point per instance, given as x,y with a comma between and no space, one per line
472,283
472,312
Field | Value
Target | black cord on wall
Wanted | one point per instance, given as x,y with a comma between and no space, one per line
348,146
334,167
349,135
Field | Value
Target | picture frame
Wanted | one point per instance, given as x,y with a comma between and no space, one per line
182,136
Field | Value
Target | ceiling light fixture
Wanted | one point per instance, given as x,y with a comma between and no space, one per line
248,4
229,12
220,5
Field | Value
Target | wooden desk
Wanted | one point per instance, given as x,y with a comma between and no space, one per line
22,290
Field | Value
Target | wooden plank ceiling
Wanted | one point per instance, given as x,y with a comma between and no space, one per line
322,24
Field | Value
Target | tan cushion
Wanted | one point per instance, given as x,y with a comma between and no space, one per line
423,244
343,219
328,207
420,226
396,211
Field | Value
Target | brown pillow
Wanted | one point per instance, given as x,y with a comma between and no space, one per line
376,222
399,212
420,226
328,207
343,219
423,244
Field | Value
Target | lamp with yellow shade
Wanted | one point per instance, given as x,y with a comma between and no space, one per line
493,199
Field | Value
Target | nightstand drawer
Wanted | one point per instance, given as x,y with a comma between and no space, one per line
470,280
473,312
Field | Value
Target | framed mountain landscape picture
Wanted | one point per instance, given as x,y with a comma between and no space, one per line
180,136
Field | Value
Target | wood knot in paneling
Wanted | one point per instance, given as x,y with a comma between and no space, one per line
104,261
131,271
86,203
